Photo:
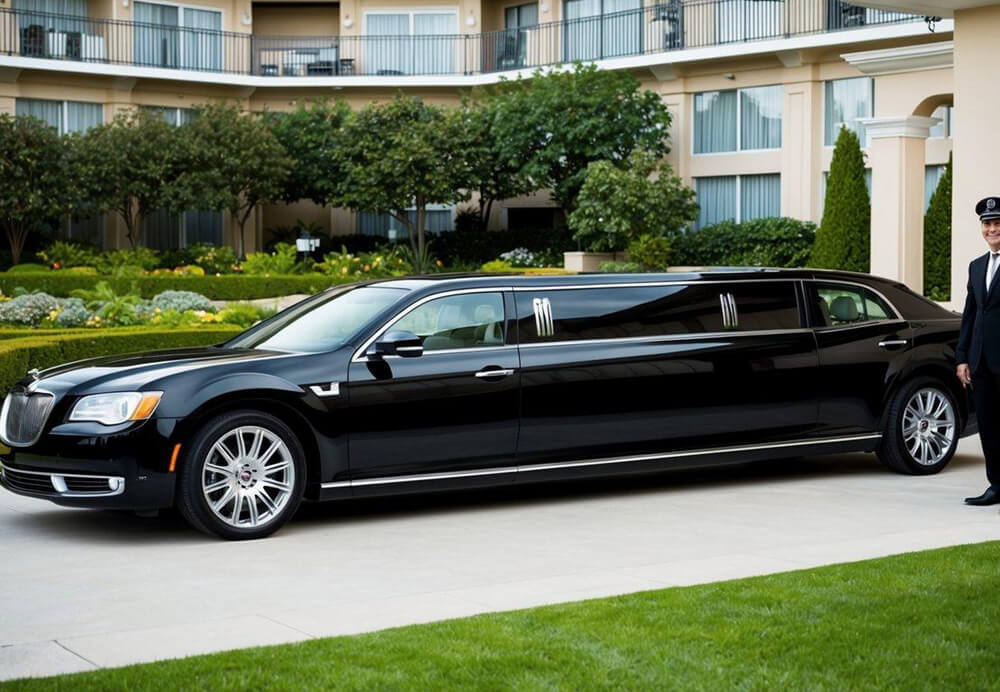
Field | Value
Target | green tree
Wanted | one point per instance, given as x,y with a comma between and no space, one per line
498,172
561,121
402,155
843,240
937,240
313,135
128,167
36,185
617,204
231,162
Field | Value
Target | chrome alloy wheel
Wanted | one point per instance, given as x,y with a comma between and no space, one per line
928,426
248,477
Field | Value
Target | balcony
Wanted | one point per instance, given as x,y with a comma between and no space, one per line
671,26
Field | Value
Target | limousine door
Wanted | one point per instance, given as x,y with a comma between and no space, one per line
453,408
644,369
862,344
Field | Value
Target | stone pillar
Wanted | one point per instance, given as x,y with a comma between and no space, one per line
975,137
897,155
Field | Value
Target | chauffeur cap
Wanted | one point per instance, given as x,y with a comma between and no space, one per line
988,208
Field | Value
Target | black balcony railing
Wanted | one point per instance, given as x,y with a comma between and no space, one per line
671,25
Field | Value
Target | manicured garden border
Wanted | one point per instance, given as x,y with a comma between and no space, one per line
224,287
917,621
43,350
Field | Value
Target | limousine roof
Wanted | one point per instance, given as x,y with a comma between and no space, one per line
696,274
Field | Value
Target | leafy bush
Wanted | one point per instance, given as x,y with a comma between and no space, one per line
225,287
937,240
214,260
523,257
476,247
81,271
497,266
244,314
113,262
26,268
388,262
74,313
18,355
651,252
182,301
29,309
63,254
844,237
277,263
111,307
769,242
620,267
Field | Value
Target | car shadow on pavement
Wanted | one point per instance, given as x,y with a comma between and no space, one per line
107,527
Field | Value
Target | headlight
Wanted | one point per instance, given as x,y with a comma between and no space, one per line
113,409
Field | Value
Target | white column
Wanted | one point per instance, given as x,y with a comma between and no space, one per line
897,155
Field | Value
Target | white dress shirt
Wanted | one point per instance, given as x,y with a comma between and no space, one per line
991,270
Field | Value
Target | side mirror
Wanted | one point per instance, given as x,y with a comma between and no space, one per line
402,344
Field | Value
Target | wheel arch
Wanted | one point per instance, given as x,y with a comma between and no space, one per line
936,370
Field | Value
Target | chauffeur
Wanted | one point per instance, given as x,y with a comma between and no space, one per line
978,351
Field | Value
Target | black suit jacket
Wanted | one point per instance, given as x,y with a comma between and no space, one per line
979,338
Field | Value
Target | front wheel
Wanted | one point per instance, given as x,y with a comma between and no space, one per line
243,476
922,428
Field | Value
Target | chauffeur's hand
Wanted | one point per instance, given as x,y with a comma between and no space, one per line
963,374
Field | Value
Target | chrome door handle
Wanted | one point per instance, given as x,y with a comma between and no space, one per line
495,373
892,342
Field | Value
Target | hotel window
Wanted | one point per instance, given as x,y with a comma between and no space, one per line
943,128
738,120
932,176
177,36
745,20
511,44
596,29
438,220
162,230
417,42
65,116
846,101
172,116
737,198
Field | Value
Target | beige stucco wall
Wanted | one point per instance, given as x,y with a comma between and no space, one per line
294,19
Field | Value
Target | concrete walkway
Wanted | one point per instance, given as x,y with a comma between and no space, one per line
85,589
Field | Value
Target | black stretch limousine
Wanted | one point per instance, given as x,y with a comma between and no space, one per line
458,381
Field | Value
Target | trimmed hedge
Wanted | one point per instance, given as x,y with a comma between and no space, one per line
768,242
225,287
18,355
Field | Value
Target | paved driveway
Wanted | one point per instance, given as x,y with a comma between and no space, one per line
83,589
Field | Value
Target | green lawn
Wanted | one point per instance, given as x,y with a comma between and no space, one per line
918,621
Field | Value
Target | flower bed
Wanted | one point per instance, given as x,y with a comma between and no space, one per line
225,287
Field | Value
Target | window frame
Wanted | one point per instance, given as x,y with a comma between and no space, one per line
64,111
739,120
871,97
810,287
739,195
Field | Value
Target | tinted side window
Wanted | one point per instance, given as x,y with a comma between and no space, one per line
471,320
615,313
764,304
835,305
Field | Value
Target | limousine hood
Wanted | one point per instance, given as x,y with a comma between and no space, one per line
134,371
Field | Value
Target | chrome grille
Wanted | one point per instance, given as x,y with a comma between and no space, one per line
57,484
23,417
37,483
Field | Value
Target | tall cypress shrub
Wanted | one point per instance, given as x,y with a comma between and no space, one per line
843,239
937,240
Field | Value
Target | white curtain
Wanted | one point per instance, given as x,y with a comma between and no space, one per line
717,199
760,117
582,38
434,43
621,30
34,12
385,52
846,101
372,223
943,128
201,40
49,111
760,196
80,116
744,20
932,176
156,37
714,122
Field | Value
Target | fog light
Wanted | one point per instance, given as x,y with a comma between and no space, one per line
114,483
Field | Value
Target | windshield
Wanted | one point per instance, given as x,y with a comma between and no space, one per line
321,324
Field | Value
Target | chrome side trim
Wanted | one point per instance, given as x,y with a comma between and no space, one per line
332,390
725,309
536,308
734,314
58,481
385,480
495,373
639,284
670,337
359,354
893,342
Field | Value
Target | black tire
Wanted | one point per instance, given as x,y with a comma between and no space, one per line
902,453
193,497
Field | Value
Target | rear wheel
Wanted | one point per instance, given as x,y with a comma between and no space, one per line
243,476
921,428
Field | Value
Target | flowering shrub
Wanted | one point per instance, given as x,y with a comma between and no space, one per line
243,314
281,261
497,266
214,260
181,301
73,313
63,255
381,263
113,262
28,310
